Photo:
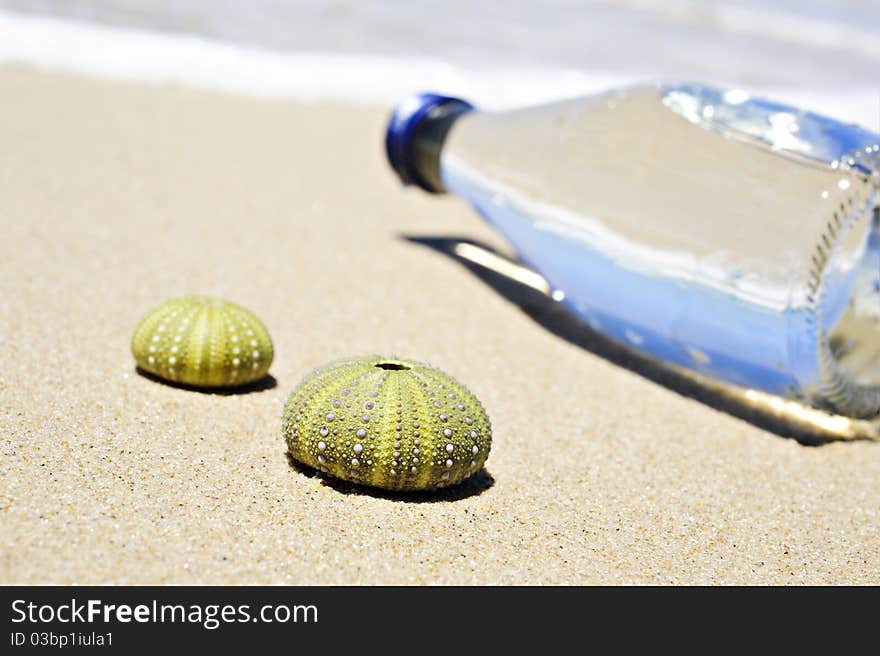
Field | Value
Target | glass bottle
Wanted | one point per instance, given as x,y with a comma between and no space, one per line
731,235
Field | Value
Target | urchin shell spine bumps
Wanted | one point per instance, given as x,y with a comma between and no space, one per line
203,342
386,422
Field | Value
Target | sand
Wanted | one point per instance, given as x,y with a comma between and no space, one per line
117,197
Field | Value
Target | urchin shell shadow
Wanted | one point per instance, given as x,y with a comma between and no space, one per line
554,317
267,382
472,486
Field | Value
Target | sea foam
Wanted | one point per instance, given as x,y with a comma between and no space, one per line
134,55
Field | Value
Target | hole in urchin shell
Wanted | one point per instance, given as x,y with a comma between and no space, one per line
392,366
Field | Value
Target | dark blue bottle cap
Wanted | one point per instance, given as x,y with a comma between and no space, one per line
402,128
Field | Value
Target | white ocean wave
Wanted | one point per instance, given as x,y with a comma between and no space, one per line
136,55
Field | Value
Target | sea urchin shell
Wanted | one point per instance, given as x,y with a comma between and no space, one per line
387,422
202,341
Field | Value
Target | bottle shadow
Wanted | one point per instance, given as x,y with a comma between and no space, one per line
267,382
784,418
472,486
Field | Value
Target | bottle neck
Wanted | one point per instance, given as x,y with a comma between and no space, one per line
414,139
427,143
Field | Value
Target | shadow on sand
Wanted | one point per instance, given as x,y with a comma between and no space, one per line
267,382
470,487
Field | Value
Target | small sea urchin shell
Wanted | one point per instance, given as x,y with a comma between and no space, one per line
202,341
387,422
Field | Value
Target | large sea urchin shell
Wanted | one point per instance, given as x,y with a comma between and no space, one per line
202,341
387,422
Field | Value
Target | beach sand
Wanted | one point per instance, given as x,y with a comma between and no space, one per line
116,197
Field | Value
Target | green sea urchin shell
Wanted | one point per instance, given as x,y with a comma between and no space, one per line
387,422
202,341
